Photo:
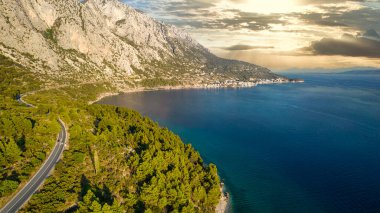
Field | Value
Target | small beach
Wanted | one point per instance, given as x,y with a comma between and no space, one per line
224,199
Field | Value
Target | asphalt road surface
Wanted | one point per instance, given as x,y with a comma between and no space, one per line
20,100
38,179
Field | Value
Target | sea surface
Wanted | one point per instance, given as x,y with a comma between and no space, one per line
299,148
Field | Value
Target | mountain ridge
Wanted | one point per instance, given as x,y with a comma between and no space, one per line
110,41
362,72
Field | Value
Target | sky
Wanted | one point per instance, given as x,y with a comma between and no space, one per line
279,34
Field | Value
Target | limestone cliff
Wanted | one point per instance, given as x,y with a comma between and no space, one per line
107,40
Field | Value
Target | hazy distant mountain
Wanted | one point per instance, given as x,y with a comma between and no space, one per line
107,40
363,72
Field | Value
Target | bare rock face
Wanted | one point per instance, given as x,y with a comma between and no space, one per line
108,40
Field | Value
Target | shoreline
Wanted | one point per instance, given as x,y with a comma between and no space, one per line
103,95
223,201
189,87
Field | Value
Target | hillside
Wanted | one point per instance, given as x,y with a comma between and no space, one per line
96,40
116,161
62,54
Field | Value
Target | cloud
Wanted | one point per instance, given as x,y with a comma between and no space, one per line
348,45
250,21
240,47
235,20
361,19
205,14
315,2
321,19
283,62
242,28
189,5
372,34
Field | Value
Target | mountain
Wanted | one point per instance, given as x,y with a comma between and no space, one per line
61,54
362,72
107,40
115,160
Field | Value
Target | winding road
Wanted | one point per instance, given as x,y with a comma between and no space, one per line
39,178
21,101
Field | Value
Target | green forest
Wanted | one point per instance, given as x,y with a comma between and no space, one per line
116,160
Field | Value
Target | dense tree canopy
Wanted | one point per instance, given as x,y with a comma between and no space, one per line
117,160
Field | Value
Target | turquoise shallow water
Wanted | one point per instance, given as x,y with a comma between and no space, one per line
312,147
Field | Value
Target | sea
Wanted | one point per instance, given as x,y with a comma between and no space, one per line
298,148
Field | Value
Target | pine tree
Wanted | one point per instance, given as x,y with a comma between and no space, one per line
11,151
96,161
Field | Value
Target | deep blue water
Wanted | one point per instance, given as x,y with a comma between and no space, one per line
312,147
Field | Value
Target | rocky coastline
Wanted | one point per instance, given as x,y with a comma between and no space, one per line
216,85
224,198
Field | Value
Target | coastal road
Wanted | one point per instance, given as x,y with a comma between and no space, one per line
20,100
38,179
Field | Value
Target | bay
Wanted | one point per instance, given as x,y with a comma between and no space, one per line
311,147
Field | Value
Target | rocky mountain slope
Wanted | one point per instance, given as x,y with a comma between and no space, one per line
106,40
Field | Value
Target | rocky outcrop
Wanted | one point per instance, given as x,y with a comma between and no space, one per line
108,40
